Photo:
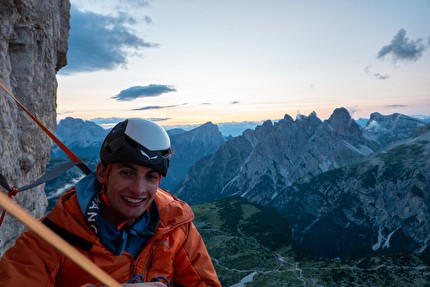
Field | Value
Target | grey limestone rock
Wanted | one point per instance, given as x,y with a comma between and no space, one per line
33,47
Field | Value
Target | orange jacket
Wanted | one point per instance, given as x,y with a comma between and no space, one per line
176,251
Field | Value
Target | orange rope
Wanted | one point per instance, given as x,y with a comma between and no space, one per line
63,147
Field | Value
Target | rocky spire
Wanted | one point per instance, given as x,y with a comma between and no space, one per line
33,47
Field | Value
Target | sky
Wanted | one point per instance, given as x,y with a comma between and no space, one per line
183,63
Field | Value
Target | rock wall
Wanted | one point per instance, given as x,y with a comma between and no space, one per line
33,47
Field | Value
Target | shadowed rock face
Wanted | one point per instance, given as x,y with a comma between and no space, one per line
33,47
261,163
337,184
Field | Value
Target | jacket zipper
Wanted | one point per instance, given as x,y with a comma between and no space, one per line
152,254
133,269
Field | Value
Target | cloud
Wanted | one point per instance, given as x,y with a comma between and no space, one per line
353,110
377,75
381,77
202,104
103,121
99,42
158,119
132,4
158,107
234,102
147,20
109,123
143,91
396,106
366,69
403,49
66,112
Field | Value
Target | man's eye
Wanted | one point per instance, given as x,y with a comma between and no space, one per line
126,173
151,176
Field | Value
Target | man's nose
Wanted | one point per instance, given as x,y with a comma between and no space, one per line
138,186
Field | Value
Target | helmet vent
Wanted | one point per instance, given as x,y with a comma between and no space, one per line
131,142
108,149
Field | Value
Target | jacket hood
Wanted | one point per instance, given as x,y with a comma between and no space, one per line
85,190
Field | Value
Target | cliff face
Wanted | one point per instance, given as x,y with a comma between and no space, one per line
33,47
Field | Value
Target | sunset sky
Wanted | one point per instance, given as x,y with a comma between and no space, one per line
187,62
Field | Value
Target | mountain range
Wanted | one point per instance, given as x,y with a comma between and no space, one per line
340,185
343,187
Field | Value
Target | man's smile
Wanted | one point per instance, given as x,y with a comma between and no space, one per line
133,200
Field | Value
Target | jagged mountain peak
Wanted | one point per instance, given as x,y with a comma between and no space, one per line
385,130
190,146
84,138
311,120
379,123
342,122
264,129
342,125
288,118
263,161
208,129
175,131
74,125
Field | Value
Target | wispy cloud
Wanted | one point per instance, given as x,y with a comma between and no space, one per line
101,121
381,77
396,106
143,91
353,110
147,20
99,42
132,4
403,49
377,75
234,102
158,107
66,112
158,119
108,123
366,69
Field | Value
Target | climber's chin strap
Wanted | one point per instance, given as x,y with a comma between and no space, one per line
106,201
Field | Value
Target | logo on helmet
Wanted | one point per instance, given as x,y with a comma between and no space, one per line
149,158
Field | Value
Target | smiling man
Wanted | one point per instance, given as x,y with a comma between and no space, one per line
120,219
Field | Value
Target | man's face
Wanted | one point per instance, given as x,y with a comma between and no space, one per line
130,189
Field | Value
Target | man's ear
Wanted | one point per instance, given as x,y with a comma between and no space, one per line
101,172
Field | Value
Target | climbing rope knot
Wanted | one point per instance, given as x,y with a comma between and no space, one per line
13,192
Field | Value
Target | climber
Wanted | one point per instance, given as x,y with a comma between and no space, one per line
120,219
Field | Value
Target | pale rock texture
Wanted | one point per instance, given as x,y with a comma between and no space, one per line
33,47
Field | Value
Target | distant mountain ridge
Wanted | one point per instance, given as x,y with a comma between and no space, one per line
276,163
84,138
276,155
388,129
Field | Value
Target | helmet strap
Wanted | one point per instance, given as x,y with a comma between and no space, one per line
104,197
